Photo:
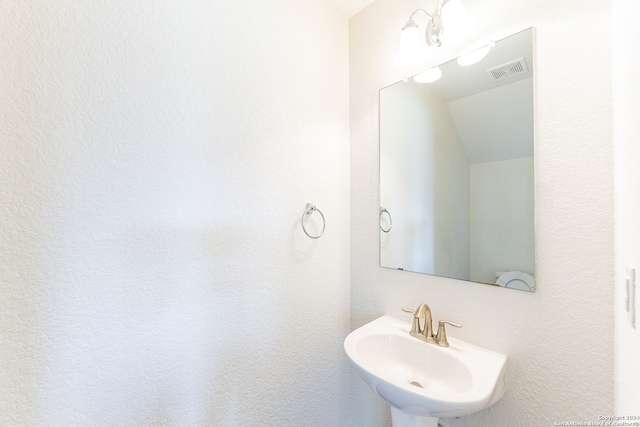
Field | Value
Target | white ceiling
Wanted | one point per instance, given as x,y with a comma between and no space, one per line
350,7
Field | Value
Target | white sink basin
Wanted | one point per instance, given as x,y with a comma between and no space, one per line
423,379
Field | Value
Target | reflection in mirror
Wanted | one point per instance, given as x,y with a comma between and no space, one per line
456,170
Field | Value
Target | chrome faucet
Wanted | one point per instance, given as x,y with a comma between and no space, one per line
422,326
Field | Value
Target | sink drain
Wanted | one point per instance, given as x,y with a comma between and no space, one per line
416,383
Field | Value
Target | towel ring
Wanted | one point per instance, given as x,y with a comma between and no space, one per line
310,210
382,211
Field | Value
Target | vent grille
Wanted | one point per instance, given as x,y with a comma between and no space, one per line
510,69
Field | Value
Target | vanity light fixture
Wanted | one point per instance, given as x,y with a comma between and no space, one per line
449,22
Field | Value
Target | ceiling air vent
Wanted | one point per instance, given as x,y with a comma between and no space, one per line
510,69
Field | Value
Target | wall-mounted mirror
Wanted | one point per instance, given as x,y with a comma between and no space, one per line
456,170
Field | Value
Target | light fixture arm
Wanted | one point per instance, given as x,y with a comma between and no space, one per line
420,10
434,31
441,4
449,13
438,11
435,27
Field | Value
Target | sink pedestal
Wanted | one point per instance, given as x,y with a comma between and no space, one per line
400,418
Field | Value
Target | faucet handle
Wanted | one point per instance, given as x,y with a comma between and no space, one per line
415,325
441,337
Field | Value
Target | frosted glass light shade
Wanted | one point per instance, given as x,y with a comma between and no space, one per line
458,23
454,10
412,47
473,57
429,76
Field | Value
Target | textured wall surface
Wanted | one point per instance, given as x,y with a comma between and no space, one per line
155,161
560,339
627,158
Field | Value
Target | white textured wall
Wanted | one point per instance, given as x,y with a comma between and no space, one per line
559,339
627,159
155,160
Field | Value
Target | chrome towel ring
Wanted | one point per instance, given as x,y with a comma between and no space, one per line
308,212
382,211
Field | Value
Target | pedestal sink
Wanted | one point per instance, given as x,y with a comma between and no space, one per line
422,381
